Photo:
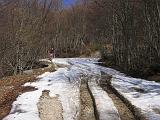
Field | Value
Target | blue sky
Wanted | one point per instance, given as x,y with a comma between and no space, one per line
68,2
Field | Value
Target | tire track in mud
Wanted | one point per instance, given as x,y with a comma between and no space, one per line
124,111
87,108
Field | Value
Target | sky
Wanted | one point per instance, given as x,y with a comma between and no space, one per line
68,2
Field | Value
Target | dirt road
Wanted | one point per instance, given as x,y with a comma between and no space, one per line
73,92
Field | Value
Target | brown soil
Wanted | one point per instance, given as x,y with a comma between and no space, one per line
87,109
124,112
154,78
50,108
11,87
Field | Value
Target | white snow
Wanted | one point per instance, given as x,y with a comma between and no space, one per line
65,82
25,107
58,85
61,61
143,94
104,104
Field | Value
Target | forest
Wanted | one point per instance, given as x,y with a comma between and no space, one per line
126,32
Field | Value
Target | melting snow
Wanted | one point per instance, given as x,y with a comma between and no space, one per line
65,83
104,104
143,94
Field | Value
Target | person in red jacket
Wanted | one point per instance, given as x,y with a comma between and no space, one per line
51,54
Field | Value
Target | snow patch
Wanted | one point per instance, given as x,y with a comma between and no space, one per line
65,82
63,61
25,107
143,94
104,104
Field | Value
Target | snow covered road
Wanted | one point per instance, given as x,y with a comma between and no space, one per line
64,86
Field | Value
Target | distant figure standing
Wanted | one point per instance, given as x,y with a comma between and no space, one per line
51,54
